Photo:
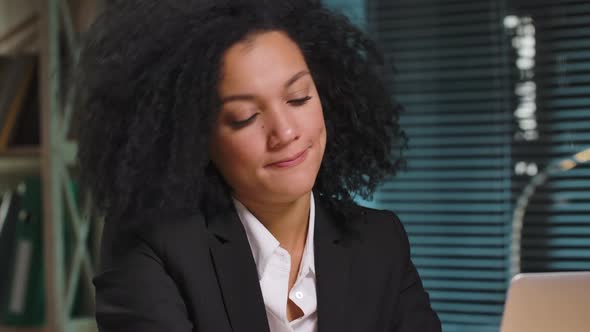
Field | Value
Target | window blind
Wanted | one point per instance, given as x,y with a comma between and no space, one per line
556,229
453,77
495,93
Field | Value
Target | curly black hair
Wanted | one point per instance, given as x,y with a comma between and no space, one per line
147,89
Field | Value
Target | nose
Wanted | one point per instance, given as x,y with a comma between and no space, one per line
282,128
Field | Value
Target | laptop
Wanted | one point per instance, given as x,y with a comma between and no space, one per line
548,302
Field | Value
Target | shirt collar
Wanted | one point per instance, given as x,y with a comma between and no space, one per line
263,244
308,259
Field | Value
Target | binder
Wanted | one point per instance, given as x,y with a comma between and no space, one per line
25,301
9,208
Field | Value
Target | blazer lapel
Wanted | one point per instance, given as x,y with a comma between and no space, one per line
334,246
237,274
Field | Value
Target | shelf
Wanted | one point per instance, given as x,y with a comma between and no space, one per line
24,150
21,161
20,37
21,329
82,325
75,325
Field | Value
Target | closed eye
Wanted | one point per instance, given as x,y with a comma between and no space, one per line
242,123
299,102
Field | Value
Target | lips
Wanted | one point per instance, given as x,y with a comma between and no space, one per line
290,161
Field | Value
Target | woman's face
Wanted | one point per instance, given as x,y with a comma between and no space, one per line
270,136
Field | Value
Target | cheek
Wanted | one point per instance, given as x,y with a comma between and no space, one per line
232,154
323,139
319,126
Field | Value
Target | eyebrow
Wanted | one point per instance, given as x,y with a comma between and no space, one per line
248,97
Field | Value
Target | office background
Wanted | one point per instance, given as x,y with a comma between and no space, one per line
497,110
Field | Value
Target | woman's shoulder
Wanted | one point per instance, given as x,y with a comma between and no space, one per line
162,235
154,227
365,218
381,227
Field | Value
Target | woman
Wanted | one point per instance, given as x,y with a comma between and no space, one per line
224,141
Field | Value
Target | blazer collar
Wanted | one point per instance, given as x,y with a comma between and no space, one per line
236,273
334,243
336,238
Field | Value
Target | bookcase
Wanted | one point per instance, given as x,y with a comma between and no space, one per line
51,34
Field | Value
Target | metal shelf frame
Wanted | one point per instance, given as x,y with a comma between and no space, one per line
57,160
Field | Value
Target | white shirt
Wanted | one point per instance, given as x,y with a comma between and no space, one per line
274,265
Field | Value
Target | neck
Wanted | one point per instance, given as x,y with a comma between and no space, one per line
287,222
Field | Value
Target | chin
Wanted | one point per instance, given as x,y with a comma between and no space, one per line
289,190
291,184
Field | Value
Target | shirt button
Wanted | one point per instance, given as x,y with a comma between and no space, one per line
299,295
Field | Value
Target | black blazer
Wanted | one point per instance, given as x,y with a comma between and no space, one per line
198,274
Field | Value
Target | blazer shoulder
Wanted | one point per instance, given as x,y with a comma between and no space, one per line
161,234
161,228
378,215
384,228
380,218
136,290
